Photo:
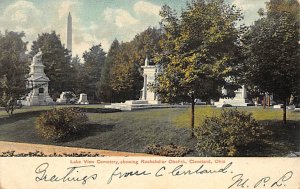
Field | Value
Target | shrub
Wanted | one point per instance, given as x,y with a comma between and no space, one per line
228,134
171,150
41,154
60,123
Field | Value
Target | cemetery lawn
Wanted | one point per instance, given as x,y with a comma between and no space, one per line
133,131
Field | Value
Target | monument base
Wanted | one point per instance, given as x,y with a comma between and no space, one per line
37,101
61,101
137,104
232,102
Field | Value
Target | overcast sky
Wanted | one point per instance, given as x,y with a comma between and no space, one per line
94,21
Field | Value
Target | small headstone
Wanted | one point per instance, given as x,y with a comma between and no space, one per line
83,99
291,107
278,106
62,98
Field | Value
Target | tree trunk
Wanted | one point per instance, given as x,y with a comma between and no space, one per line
284,112
264,101
193,116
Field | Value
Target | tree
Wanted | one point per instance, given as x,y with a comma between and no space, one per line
56,59
106,92
93,64
146,44
126,61
12,69
126,80
272,51
199,51
77,74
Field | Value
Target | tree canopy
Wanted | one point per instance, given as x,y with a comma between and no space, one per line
199,51
272,51
13,68
93,64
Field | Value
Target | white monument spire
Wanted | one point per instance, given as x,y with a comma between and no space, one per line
69,33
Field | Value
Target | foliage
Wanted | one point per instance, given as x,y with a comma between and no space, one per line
199,51
171,150
13,64
106,92
59,123
93,64
56,59
41,154
78,72
272,51
126,81
123,66
228,134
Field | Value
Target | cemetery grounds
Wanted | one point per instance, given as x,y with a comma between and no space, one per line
134,131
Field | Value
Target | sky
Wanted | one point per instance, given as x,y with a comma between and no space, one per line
95,21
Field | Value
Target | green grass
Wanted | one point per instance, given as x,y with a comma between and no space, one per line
133,131
260,114
122,131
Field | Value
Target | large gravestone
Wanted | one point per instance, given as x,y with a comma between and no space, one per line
38,83
240,98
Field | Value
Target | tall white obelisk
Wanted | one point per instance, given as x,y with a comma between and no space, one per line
69,33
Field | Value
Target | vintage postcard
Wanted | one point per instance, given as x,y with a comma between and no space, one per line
149,94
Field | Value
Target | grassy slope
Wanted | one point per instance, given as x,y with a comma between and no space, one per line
132,131
123,131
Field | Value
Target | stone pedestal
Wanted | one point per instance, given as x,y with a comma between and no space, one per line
38,83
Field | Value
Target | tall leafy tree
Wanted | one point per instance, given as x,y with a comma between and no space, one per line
77,74
56,59
146,44
126,80
13,64
93,64
106,92
272,51
199,51
126,61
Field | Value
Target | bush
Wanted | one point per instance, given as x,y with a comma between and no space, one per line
171,150
41,154
60,123
229,134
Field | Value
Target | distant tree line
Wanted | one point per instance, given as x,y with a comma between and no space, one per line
198,48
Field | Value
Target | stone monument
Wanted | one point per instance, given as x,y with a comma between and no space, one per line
69,32
148,98
62,98
240,98
150,73
38,83
83,99
66,97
